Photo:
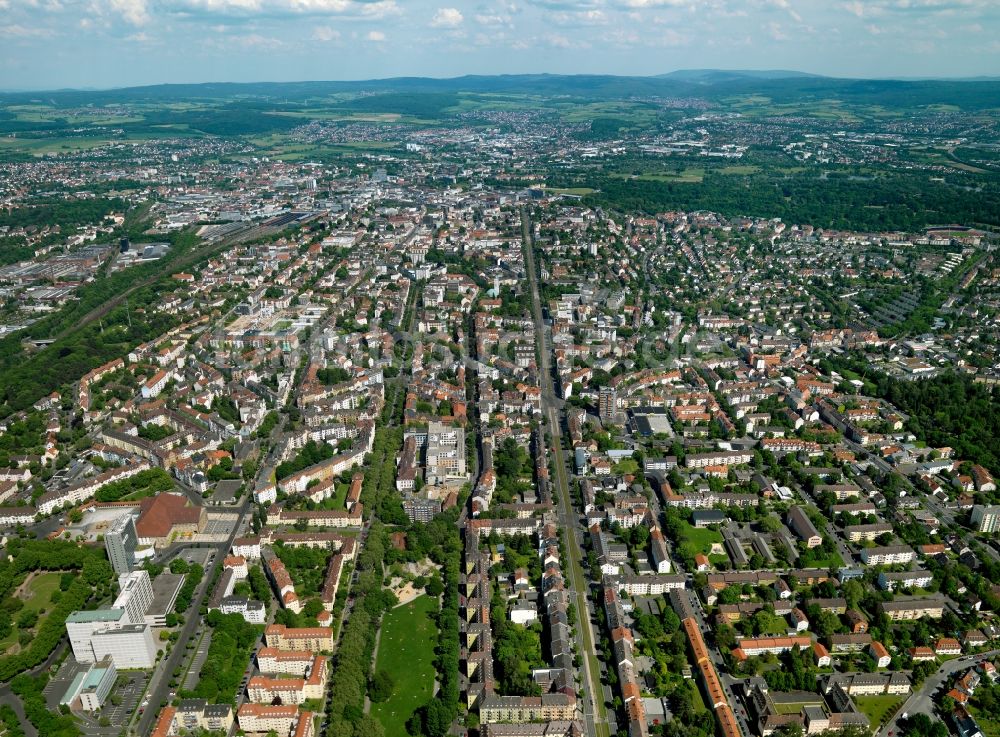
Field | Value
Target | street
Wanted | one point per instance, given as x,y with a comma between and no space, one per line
586,640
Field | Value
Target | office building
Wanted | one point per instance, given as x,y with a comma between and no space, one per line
135,597
121,541
100,633
80,626
130,646
91,687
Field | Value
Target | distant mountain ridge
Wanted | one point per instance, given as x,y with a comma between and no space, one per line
714,76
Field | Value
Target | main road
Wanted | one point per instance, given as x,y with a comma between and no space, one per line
159,685
594,712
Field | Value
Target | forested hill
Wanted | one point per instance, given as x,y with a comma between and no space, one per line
967,95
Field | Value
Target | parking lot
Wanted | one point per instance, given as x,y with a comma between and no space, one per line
58,684
218,526
127,692
193,674
195,555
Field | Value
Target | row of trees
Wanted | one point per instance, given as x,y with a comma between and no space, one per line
233,639
148,483
349,676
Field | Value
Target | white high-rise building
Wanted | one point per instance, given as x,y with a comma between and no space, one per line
121,541
136,595
120,633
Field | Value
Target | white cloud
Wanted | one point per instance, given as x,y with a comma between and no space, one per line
14,30
325,34
786,6
375,36
345,8
257,41
855,7
558,40
493,20
135,12
691,4
447,18
875,8
592,17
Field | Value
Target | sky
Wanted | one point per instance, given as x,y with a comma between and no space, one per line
55,44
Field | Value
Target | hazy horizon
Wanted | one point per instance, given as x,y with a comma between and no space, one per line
100,44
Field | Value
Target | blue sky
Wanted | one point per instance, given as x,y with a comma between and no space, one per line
48,44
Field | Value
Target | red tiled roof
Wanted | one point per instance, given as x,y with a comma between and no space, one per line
159,514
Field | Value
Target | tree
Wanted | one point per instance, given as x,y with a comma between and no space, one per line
792,729
381,686
770,524
368,726
434,586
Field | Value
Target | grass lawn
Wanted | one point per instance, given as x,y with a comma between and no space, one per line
339,498
791,707
989,724
878,709
701,537
626,466
406,651
833,560
581,191
37,595
698,700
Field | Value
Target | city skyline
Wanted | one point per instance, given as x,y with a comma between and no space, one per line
55,44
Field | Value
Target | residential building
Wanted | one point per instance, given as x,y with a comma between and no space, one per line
914,607
986,518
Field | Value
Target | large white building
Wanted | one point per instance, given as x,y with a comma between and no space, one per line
100,633
445,454
131,646
81,626
136,595
887,555
254,612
